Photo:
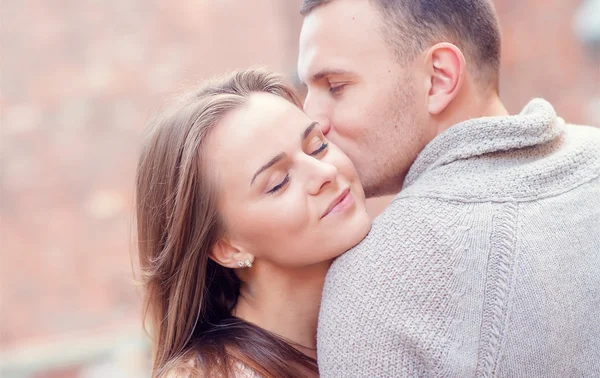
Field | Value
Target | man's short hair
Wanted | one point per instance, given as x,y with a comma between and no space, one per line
410,26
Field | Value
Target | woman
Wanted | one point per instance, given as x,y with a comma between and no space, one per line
241,206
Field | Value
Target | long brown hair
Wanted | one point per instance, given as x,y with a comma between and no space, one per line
188,297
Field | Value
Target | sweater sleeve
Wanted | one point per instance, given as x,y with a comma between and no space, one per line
407,301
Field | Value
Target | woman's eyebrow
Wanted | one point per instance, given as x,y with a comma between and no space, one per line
309,129
268,165
281,155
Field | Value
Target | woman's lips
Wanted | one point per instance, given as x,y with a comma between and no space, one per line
341,203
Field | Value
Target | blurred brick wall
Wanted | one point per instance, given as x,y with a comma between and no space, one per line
542,57
78,81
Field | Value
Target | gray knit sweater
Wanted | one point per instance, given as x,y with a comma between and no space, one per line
487,264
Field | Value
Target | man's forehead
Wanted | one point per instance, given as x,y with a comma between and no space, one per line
330,35
339,18
319,54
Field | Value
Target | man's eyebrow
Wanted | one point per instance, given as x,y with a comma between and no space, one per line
309,130
329,72
271,162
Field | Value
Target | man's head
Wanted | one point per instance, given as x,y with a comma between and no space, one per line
385,77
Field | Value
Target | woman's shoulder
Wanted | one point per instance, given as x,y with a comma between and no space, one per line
244,371
190,369
183,368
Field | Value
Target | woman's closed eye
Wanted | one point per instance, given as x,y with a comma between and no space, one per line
317,147
279,184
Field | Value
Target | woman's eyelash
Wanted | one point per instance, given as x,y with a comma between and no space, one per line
320,149
280,185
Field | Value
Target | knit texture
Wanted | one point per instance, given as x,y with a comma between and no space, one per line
486,264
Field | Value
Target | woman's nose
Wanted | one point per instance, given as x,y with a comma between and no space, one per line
320,175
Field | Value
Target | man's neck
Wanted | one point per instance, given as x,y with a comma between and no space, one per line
469,107
493,108
285,302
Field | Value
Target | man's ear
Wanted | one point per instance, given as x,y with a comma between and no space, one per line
226,254
446,67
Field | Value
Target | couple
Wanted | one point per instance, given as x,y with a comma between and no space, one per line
487,262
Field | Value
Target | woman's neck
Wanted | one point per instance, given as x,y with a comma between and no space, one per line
284,301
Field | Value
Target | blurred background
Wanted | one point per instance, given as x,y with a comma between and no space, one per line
80,78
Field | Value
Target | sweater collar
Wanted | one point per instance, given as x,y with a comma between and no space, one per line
536,124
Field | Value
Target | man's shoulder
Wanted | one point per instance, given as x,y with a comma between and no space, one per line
583,138
583,133
409,208
405,223
520,174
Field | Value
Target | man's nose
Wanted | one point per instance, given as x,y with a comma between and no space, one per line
316,110
325,125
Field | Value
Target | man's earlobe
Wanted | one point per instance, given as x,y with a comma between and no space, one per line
446,67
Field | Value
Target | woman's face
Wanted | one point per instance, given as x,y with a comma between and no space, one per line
287,195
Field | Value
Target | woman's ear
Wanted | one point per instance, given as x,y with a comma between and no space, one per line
446,67
229,256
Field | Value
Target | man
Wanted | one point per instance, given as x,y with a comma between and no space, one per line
487,263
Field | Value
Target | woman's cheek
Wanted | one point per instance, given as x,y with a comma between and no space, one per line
293,214
282,218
